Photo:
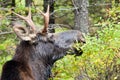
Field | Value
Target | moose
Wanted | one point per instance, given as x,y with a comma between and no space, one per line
38,50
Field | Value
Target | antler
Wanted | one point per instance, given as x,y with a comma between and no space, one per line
27,19
30,22
46,19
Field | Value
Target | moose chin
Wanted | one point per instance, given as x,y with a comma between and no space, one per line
38,50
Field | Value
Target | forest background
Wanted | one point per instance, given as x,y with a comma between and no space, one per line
99,20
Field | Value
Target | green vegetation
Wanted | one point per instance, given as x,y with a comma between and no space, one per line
100,58
101,54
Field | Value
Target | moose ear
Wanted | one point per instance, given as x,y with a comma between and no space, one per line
22,32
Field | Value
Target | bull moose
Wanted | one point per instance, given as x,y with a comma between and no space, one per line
38,50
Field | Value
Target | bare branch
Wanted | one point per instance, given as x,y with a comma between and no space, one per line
4,33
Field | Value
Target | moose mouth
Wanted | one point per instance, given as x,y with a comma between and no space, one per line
76,49
75,52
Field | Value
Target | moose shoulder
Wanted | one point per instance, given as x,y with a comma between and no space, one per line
38,51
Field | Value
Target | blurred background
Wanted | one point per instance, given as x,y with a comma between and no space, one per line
98,20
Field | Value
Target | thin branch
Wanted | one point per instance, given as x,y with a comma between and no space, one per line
64,9
60,26
102,4
4,33
4,9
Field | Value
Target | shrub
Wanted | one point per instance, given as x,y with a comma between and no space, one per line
100,59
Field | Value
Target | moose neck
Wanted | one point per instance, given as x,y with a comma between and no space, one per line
23,51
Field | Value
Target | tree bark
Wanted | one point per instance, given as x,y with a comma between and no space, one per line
81,15
13,3
28,3
12,15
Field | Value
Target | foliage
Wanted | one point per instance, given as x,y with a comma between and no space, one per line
101,10
100,58
7,49
101,53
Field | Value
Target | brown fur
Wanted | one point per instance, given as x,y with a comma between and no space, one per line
33,61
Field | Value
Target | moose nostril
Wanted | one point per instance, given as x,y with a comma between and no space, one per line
84,41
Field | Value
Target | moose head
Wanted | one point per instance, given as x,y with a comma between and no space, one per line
38,50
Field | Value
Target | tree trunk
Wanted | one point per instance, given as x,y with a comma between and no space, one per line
52,20
13,3
81,15
28,3
12,15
